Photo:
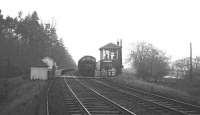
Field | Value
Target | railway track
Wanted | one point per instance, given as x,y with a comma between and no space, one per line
151,101
71,104
91,102
47,97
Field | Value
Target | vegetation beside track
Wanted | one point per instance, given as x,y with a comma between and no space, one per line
56,97
182,90
24,97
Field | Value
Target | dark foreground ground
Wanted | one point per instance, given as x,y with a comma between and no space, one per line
185,90
26,97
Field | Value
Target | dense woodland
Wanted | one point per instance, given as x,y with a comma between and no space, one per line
24,41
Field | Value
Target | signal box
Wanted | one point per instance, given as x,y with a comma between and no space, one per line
111,59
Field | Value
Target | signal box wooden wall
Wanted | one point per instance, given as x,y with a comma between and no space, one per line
111,59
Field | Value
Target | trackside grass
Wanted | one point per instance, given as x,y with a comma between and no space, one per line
24,97
179,91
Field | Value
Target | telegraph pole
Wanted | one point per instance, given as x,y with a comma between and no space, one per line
190,60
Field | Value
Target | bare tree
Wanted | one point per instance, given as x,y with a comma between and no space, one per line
182,66
149,61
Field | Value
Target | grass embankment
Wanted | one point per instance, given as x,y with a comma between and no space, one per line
183,89
56,97
25,97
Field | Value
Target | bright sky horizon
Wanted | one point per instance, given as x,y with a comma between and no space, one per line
86,25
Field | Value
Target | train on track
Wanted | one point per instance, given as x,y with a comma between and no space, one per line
87,66
110,63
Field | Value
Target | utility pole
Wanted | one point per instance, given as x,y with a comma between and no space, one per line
190,60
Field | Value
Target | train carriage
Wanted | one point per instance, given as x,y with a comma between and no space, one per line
87,66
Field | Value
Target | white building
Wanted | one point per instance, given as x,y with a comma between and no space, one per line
39,71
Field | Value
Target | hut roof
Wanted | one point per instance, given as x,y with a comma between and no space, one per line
39,64
110,46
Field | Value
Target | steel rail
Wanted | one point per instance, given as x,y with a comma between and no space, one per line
167,98
84,108
128,93
47,103
47,98
121,108
195,107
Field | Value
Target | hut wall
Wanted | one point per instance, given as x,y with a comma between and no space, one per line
40,73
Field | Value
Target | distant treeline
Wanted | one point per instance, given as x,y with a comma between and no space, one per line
26,40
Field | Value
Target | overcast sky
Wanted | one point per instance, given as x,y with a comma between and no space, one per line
86,25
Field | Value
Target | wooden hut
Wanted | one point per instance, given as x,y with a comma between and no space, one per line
39,71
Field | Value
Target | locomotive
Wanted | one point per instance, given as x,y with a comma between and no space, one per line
87,66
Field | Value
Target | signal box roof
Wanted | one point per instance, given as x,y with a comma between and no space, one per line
110,46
